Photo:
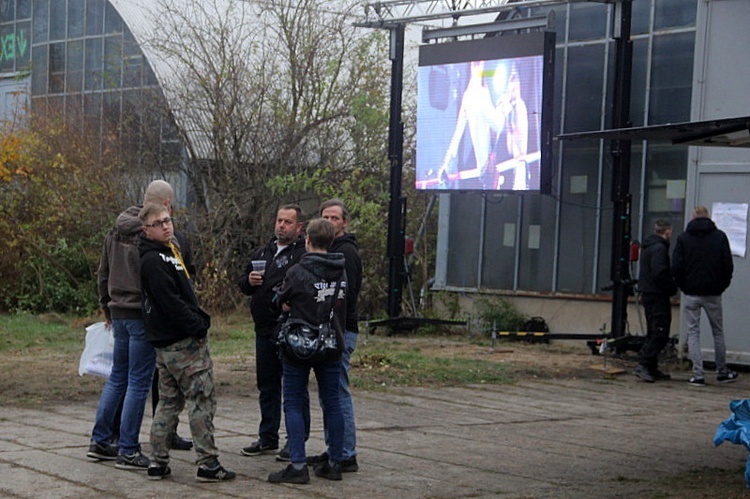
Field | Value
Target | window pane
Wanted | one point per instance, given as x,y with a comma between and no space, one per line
641,18
584,88
39,71
23,44
75,66
23,9
41,20
57,20
112,61
671,78
7,51
638,82
94,17
112,20
93,74
463,258
56,68
7,10
537,243
75,18
674,13
587,21
578,216
666,171
500,241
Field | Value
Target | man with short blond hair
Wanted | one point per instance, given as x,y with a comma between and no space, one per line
702,267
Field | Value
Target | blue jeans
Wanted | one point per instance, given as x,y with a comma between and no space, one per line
296,404
345,397
132,371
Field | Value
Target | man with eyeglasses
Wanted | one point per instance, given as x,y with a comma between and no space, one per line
177,327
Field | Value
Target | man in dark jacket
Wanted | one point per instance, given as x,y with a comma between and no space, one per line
334,210
178,329
280,253
656,286
702,268
314,290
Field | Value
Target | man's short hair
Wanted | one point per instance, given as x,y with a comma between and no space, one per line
700,212
335,202
151,209
158,192
661,226
321,233
292,206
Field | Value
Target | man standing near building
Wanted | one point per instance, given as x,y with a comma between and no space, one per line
281,252
702,267
122,402
656,286
178,329
334,210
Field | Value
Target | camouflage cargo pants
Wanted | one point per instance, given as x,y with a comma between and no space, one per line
185,378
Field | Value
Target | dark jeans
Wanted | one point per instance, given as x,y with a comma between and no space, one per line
658,321
297,405
268,372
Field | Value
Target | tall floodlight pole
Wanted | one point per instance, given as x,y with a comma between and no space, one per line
620,150
396,157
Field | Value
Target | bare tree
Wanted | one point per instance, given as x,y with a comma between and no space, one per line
267,95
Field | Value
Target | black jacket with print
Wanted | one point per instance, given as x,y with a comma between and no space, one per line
170,308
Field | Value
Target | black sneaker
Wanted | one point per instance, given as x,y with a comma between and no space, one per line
283,455
349,465
179,443
660,376
212,471
642,373
727,377
102,452
290,475
328,471
696,382
158,471
135,461
320,458
258,448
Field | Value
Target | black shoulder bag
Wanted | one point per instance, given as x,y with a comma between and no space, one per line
302,341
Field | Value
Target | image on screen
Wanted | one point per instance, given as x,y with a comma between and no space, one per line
482,121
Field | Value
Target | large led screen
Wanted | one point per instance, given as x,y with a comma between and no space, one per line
484,114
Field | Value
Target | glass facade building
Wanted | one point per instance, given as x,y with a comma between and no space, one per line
78,59
561,244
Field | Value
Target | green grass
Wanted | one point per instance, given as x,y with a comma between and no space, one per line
378,362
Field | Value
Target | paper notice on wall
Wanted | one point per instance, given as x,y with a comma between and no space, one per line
732,219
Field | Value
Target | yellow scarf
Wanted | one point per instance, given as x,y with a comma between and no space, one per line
178,255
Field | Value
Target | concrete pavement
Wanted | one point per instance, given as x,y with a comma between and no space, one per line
601,437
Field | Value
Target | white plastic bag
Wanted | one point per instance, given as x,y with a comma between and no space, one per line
97,356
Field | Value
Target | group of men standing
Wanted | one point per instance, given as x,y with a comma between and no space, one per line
146,292
702,269
286,248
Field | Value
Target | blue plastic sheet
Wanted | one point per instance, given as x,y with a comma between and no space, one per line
736,429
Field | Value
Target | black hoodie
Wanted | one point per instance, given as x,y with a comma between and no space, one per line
702,260
170,307
347,244
309,287
655,276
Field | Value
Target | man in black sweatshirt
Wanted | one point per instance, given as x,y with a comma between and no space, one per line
177,327
702,267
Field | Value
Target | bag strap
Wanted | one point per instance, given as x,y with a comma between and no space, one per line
335,297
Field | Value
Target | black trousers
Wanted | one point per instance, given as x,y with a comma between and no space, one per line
658,321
